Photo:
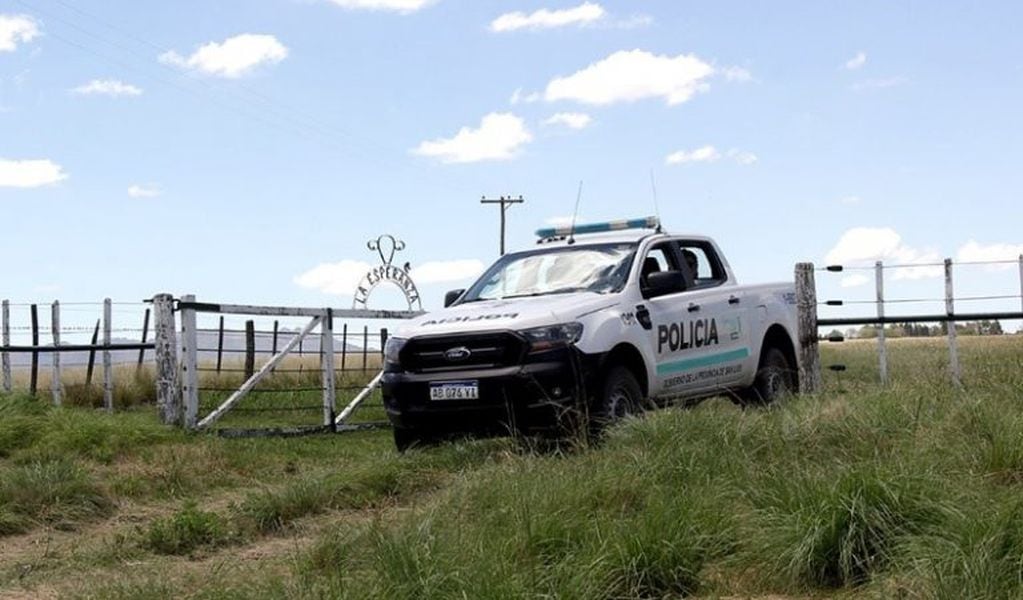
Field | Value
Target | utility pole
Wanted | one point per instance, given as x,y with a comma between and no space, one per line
504,202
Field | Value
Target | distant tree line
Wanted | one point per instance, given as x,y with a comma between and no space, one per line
899,330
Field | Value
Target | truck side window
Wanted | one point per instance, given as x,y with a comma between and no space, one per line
703,263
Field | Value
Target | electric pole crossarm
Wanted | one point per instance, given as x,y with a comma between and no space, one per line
505,203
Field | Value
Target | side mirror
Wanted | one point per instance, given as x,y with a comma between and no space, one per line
450,297
663,283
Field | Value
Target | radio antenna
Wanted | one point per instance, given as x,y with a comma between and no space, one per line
575,213
657,210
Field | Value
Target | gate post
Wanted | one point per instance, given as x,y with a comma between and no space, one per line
809,348
166,355
327,365
189,364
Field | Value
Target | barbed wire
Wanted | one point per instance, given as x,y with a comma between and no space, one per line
842,268
920,300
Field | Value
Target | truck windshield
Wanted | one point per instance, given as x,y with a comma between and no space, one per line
600,268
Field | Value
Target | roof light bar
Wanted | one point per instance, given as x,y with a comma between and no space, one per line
620,225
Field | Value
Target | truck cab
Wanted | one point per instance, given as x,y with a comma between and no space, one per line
596,321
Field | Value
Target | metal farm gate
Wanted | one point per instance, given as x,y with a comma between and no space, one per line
291,378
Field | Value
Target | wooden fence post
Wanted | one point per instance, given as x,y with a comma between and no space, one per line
108,375
344,345
327,365
365,346
34,377
166,354
809,347
189,365
882,348
220,344
92,356
953,344
1021,282
5,326
145,334
250,348
55,388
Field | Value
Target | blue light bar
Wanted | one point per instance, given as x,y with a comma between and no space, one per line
621,225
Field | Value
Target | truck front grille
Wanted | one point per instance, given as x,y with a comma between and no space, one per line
462,351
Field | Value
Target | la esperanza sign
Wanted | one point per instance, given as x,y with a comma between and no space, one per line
386,246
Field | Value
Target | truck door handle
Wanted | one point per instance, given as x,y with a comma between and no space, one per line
694,307
733,300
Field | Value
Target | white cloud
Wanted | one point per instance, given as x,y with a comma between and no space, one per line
563,220
570,119
630,75
446,271
879,84
107,87
855,280
15,29
399,6
742,157
144,191
338,278
701,154
973,251
29,173
234,57
584,14
520,96
710,154
862,246
500,136
857,61
850,200
737,74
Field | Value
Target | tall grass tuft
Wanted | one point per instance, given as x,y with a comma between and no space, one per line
56,492
837,529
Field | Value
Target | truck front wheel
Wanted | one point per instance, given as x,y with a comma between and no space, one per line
619,396
408,438
774,380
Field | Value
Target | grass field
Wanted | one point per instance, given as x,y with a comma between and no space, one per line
914,491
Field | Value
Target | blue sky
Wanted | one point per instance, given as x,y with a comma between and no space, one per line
246,151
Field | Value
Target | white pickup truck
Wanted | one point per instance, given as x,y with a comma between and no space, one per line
599,320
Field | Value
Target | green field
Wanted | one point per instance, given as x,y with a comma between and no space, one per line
914,491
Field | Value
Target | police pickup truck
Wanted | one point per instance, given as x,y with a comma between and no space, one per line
599,320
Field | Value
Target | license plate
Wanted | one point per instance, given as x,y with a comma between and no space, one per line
455,390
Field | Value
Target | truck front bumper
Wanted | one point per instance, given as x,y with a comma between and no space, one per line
539,396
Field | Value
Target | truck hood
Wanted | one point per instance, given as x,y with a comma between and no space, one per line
514,313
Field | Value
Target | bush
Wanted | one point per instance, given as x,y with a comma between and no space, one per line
187,531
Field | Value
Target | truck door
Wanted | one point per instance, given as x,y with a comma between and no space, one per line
728,347
682,329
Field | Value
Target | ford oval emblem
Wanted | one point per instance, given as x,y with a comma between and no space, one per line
457,354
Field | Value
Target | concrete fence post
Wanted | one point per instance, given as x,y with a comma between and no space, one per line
189,364
953,343
882,346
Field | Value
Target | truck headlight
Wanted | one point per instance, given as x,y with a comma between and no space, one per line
552,336
393,348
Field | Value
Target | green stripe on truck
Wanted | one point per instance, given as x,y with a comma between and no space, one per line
702,361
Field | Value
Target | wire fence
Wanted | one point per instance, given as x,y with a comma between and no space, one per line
946,321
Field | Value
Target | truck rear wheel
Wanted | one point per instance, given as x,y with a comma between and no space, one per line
619,396
774,380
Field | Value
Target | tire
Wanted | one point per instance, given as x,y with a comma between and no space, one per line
774,380
619,396
409,438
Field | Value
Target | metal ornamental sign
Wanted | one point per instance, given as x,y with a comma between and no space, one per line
386,246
